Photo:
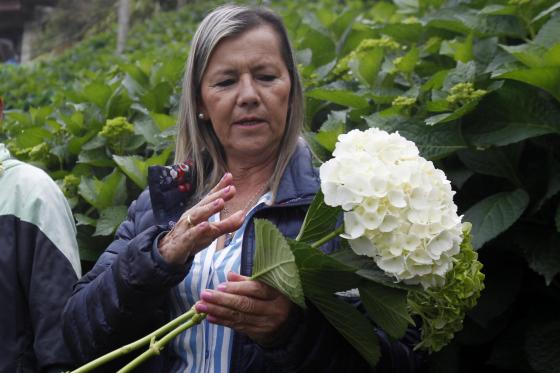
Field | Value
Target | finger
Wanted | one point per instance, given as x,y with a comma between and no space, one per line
225,305
241,322
200,213
231,223
241,285
232,276
203,210
204,233
226,193
224,189
227,179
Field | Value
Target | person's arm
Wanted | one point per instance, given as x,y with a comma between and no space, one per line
40,234
119,299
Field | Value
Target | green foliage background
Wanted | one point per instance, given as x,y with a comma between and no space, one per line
476,84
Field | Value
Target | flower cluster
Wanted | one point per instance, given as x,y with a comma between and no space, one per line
443,309
70,185
114,129
464,93
398,207
403,102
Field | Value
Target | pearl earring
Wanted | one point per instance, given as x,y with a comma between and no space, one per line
201,116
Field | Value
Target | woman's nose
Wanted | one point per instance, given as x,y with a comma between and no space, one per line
248,94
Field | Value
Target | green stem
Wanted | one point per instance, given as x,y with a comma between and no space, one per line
156,347
328,237
135,345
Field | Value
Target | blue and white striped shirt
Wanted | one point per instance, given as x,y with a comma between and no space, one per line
206,348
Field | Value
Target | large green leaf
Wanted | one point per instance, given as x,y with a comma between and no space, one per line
493,215
32,136
322,276
320,273
387,307
98,93
136,168
334,126
352,325
319,220
104,193
274,263
494,162
109,219
338,96
541,250
513,113
365,66
547,78
322,47
118,104
548,34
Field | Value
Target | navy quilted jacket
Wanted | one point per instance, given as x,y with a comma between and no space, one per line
124,296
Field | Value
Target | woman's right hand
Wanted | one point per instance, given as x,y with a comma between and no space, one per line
193,232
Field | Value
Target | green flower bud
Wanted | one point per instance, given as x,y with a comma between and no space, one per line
403,102
117,131
117,128
362,49
462,93
443,309
70,185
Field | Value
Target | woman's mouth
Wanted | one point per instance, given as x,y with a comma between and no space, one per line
248,122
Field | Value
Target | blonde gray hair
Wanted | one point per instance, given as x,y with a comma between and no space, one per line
196,140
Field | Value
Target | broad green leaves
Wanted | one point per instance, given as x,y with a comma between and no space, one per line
136,168
318,225
493,215
274,263
321,276
104,193
387,306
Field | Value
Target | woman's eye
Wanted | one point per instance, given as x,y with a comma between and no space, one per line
225,83
267,78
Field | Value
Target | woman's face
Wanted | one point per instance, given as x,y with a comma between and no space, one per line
245,92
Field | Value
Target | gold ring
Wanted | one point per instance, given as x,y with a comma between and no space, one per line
189,220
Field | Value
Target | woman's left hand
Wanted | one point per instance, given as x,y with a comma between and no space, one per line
249,307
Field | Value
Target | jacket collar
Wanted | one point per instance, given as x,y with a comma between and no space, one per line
300,179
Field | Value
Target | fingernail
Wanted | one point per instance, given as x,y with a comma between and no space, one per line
228,188
201,308
216,202
202,226
206,295
222,287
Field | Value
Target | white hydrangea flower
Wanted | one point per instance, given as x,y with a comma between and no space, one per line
399,208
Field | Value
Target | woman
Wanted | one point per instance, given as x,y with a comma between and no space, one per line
187,239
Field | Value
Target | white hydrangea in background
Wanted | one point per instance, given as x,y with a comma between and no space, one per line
399,208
